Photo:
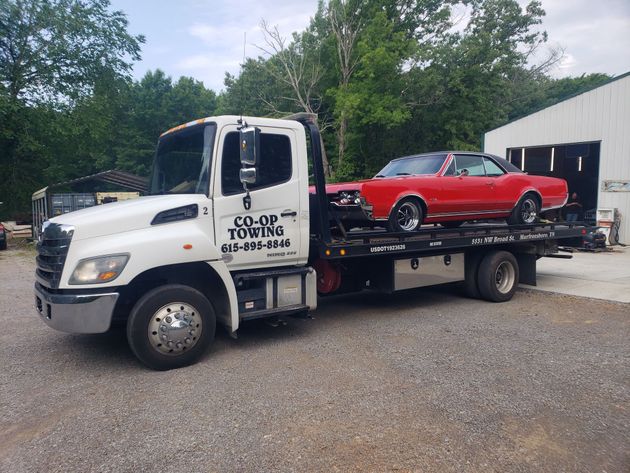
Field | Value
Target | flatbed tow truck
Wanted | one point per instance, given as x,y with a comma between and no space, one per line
230,233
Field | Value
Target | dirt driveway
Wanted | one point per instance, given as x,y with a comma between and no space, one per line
423,381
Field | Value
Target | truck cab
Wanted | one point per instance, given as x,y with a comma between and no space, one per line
216,220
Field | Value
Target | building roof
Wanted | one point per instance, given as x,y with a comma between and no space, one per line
119,178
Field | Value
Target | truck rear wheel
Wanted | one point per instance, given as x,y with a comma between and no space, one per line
498,276
171,326
471,269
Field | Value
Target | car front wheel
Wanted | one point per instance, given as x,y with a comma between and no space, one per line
406,216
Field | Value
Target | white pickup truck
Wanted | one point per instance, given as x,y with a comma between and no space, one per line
229,232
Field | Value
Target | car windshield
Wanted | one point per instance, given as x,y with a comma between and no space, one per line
182,161
427,164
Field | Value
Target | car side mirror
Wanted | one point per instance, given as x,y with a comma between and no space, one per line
250,145
248,175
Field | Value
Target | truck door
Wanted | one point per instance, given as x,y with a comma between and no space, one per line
267,234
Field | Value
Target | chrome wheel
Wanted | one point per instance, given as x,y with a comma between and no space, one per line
504,277
408,216
174,328
529,211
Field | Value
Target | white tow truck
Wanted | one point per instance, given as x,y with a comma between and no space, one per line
230,233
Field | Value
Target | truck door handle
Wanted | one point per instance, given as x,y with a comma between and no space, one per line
288,213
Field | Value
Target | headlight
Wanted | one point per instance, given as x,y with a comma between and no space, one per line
99,270
349,197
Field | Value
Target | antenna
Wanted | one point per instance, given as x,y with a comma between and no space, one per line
241,78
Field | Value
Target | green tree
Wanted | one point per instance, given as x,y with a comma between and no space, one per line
52,53
155,104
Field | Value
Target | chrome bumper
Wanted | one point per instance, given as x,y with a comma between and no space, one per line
75,313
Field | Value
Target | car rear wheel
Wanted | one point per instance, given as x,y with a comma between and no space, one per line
526,211
406,216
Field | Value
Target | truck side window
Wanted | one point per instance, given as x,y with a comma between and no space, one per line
274,166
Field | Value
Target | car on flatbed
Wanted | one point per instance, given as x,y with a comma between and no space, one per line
447,188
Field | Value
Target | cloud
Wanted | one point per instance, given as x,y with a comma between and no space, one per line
594,35
218,38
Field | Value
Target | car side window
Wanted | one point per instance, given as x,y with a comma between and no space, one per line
469,164
274,167
492,170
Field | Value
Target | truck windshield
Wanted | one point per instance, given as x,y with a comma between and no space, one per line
182,161
428,164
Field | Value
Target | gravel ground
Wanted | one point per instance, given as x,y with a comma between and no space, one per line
421,381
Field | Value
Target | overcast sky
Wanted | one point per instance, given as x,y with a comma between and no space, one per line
204,38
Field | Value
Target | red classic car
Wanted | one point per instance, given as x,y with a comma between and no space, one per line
447,188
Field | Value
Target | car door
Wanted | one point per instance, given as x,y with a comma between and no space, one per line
468,191
268,233
502,199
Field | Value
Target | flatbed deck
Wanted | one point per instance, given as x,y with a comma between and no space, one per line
431,239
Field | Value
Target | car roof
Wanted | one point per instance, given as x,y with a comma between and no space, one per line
501,162
445,153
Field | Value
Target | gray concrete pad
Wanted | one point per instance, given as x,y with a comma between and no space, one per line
604,275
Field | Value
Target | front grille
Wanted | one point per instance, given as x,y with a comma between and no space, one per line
52,249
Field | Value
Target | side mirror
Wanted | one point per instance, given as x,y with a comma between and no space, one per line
250,145
248,175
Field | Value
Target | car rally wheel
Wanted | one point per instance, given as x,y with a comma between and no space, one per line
171,326
406,216
526,211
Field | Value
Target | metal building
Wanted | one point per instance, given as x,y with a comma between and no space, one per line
584,139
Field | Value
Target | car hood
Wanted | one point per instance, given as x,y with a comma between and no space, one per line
342,186
125,216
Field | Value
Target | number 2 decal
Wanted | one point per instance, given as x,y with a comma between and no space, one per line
205,210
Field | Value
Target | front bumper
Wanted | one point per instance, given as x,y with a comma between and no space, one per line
75,313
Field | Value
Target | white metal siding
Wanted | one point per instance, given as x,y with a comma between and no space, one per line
602,114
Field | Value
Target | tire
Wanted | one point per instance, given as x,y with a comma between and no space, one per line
406,216
189,332
498,276
471,268
526,211
451,224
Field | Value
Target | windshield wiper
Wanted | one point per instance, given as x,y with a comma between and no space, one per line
403,174
379,175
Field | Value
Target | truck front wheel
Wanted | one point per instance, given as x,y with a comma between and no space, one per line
171,326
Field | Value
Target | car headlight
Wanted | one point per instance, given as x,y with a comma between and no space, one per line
349,197
99,270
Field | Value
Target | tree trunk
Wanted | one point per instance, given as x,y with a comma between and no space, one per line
341,137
